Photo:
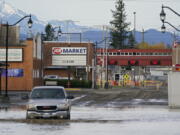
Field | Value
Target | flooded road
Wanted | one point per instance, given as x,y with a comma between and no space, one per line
137,120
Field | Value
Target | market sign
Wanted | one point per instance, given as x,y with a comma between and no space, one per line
14,55
69,50
69,56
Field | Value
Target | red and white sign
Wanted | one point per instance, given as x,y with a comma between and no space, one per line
56,50
69,56
177,66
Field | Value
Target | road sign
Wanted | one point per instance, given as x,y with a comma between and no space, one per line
126,77
177,67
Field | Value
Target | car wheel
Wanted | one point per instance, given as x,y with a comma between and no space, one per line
68,117
27,116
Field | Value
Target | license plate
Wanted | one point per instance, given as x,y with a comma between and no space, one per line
46,115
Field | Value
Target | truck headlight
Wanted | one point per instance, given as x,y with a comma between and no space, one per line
31,107
63,106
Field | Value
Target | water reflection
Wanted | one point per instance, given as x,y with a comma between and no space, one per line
139,120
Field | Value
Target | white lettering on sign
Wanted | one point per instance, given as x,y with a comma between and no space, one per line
69,50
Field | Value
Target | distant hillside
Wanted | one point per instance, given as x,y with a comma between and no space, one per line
153,36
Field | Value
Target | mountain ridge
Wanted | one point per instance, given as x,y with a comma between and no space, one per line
12,14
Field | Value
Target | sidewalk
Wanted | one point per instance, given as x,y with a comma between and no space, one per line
14,96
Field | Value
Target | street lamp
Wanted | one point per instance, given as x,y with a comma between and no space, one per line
163,18
59,32
30,22
75,33
162,15
163,28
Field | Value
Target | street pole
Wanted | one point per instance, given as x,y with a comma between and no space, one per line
94,68
163,18
6,44
106,83
6,84
95,65
134,76
0,81
134,25
69,76
93,75
105,61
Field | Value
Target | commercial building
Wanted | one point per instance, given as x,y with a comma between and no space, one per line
69,60
32,59
132,65
24,62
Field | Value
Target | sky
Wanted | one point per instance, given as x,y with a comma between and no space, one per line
98,12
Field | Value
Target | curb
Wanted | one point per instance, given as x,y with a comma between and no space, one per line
72,89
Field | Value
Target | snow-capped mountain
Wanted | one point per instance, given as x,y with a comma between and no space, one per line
7,10
12,15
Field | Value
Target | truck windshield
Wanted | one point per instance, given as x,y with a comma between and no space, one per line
47,93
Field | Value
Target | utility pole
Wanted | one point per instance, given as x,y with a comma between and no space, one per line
143,32
134,25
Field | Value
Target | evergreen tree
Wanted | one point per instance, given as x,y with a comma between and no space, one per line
119,33
131,40
49,32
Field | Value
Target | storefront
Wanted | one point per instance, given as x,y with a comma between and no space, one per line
24,65
68,60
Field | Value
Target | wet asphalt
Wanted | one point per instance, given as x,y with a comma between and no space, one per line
110,118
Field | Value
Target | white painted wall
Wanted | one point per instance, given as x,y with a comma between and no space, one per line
174,89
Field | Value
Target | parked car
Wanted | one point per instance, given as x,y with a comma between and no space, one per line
51,77
48,102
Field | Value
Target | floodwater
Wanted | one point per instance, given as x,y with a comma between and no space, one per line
138,120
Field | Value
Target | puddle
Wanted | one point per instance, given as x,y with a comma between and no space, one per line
139,120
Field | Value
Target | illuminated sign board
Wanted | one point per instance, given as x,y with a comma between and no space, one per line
71,60
15,55
69,56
